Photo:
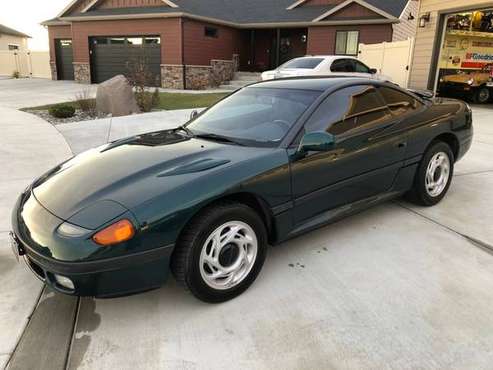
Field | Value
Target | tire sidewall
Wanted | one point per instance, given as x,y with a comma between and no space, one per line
435,148
194,277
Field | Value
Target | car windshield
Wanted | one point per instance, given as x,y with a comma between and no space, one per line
304,63
253,116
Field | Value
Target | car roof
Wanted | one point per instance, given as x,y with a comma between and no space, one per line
314,83
327,57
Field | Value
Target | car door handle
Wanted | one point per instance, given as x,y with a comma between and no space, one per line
401,145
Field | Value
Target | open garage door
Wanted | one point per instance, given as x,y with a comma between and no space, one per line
465,65
111,56
64,59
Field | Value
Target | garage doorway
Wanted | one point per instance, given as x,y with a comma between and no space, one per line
111,56
64,59
464,67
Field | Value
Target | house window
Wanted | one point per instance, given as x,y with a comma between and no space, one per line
210,32
347,42
13,47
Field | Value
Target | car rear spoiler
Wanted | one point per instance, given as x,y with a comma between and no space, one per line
425,94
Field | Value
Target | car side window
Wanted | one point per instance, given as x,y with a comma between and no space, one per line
349,109
360,67
342,65
399,102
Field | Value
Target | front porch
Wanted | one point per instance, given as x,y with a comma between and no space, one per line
266,49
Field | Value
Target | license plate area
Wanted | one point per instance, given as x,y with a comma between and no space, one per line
15,246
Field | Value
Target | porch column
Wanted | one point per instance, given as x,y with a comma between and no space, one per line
278,46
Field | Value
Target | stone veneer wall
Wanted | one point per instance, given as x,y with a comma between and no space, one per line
199,77
222,70
172,76
54,73
82,72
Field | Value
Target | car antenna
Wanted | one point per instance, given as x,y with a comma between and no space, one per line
109,129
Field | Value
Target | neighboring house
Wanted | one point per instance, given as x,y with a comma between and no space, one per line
453,36
200,43
12,40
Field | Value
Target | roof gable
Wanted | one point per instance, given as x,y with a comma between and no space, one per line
359,6
352,11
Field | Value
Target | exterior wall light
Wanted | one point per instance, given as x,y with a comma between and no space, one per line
425,18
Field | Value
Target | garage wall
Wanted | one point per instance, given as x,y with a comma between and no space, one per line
425,37
57,32
321,40
168,29
199,49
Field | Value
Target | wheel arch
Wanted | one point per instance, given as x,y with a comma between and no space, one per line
450,139
252,200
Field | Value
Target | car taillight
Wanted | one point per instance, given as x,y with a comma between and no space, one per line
119,232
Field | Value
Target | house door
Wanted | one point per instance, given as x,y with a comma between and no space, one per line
64,59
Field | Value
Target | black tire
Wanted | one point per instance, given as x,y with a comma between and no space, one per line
482,95
419,193
185,263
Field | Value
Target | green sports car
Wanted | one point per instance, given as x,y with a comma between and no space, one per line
267,163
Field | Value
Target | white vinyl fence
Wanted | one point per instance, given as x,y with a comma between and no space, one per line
391,59
27,63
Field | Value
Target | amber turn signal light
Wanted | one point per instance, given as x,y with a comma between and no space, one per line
119,232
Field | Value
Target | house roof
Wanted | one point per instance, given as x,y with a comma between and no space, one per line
9,31
242,11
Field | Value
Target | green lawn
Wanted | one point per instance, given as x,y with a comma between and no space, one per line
170,101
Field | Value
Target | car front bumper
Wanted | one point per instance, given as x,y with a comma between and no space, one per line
106,278
92,270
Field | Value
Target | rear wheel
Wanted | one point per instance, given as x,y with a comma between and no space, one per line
482,95
434,175
221,252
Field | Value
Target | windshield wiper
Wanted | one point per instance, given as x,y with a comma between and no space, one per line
219,138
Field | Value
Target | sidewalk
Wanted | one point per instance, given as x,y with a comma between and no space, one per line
29,146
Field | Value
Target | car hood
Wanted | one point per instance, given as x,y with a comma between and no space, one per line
118,176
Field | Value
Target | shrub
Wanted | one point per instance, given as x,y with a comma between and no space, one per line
62,111
16,74
140,78
85,103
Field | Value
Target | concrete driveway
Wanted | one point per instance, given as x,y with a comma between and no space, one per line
33,92
395,287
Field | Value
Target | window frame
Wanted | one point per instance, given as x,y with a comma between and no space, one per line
16,47
347,32
359,130
413,110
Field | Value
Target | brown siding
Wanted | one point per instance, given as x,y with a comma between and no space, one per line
353,11
57,32
321,40
128,3
199,49
168,29
321,2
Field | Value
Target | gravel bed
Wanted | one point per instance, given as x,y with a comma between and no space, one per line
79,116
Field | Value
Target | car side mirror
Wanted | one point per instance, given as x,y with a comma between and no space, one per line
193,114
373,71
317,142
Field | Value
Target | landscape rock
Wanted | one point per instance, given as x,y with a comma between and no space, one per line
116,97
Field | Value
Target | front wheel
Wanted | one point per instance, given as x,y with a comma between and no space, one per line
221,252
433,176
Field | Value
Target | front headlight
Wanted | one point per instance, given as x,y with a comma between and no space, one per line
72,231
470,82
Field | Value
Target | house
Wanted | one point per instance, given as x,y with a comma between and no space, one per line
11,39
453,36
195,44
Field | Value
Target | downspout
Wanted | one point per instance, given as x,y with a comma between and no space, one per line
182,21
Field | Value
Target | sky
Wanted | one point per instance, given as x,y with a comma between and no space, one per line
26,15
